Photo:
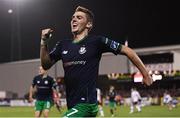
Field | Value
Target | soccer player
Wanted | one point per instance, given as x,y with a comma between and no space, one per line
167,100
100,102
57,102
135,100
112,102
44,86
80,56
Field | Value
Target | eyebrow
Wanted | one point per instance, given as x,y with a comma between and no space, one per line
76,16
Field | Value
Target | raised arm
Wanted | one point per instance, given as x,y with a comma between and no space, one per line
138,63
44,52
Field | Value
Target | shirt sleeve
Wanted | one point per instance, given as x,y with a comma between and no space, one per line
34,82
55,54
108,45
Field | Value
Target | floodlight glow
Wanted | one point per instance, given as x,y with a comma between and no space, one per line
138,77
10,11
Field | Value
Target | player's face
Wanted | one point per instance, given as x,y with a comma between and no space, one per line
41,71
79,22
111,88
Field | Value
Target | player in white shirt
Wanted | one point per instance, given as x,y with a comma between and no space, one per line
135,100
100,102
167,99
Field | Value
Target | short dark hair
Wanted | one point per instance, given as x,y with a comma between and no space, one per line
89,13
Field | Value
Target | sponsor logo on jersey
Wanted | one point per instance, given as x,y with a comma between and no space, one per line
82,50
75,63
65,52
114,45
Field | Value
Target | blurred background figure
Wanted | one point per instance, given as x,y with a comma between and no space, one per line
135,100
174,102
100,102
57,101
112,102
44,87
167,100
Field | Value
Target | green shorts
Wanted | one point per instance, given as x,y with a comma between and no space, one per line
112,104
42,105
82,110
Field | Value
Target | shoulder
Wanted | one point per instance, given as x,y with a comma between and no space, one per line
96,37
62,42
37,77
49,77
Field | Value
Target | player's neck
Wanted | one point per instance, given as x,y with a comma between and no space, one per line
79,37
44,75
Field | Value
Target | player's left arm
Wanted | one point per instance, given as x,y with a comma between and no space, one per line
131,54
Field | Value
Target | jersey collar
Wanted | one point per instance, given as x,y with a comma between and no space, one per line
76,42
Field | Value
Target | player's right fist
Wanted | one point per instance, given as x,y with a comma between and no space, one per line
46,34
148,80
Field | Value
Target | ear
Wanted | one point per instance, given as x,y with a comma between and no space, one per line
89,25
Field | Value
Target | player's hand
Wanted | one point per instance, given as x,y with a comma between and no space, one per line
46,34
30,99
147,80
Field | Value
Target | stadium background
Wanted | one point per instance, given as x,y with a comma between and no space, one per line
162,59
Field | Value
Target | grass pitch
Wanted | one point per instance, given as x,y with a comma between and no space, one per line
122,111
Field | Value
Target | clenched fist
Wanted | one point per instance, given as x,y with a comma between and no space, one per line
148,80
46,34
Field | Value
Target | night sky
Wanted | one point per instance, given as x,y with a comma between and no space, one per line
145,23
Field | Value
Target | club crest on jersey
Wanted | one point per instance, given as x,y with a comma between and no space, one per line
46,82
114,45
82,50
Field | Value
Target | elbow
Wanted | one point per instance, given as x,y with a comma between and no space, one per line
46,63
127,51
46,66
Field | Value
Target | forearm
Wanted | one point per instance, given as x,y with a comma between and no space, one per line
46,62
44,56
135,60
31,92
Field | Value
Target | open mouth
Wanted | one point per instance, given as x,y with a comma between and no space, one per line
74,25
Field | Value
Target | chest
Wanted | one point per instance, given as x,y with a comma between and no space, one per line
84,51
43,82
112,94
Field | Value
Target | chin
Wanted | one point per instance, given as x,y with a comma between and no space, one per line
74,31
